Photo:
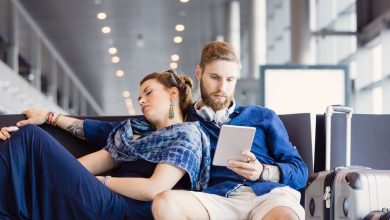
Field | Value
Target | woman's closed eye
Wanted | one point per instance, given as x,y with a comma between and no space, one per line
148,91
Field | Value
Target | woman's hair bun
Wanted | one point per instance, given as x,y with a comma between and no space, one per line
187,81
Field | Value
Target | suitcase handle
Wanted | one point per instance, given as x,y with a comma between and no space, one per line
339,109
328,119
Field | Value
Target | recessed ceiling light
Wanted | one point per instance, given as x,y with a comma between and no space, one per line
131,111
101,15
115,59
106,29
184,1
126,94
180,27
173,65
119,73
178,39
175,57
128,101
112,50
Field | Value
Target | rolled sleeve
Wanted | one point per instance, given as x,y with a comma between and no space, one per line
96,132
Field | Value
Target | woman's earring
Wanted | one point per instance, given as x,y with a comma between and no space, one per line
171,112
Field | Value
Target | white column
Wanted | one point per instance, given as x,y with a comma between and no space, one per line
234,26
257,36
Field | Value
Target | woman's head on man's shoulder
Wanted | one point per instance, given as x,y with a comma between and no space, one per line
165,93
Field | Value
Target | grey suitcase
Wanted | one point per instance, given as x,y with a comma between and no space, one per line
348,192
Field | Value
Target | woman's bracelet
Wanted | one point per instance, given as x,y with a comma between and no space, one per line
56,119
52,118
105,180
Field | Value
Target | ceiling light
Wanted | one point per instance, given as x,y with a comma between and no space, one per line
101,15
173,65
126,94
175,57
184,1
131,111
112,50
178,39
115,59
106,30
180,27
119,73
129,103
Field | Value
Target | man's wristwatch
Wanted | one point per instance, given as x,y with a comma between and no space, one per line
265,174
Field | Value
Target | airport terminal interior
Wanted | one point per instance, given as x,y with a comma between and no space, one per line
87,57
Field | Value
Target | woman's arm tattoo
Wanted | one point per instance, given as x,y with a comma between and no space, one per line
76,128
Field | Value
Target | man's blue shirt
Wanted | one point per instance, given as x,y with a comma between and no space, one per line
271,146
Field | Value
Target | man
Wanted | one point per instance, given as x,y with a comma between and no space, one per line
264,186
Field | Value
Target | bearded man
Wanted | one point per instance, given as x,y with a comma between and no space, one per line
262,187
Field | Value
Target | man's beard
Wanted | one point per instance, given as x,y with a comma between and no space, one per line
208,100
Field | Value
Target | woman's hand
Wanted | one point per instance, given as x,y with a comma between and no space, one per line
34,116
5,132
249,169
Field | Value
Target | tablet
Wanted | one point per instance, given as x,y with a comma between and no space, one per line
231,142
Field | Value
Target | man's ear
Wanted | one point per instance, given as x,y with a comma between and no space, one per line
198,72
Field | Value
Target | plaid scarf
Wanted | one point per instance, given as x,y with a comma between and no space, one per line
183,145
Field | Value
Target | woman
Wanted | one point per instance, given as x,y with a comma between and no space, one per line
40,179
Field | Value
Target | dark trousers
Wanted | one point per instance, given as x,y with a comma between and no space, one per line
40,179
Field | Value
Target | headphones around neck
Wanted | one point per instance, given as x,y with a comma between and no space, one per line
220,116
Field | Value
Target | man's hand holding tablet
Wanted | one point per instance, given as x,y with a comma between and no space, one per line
233,151
232,141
